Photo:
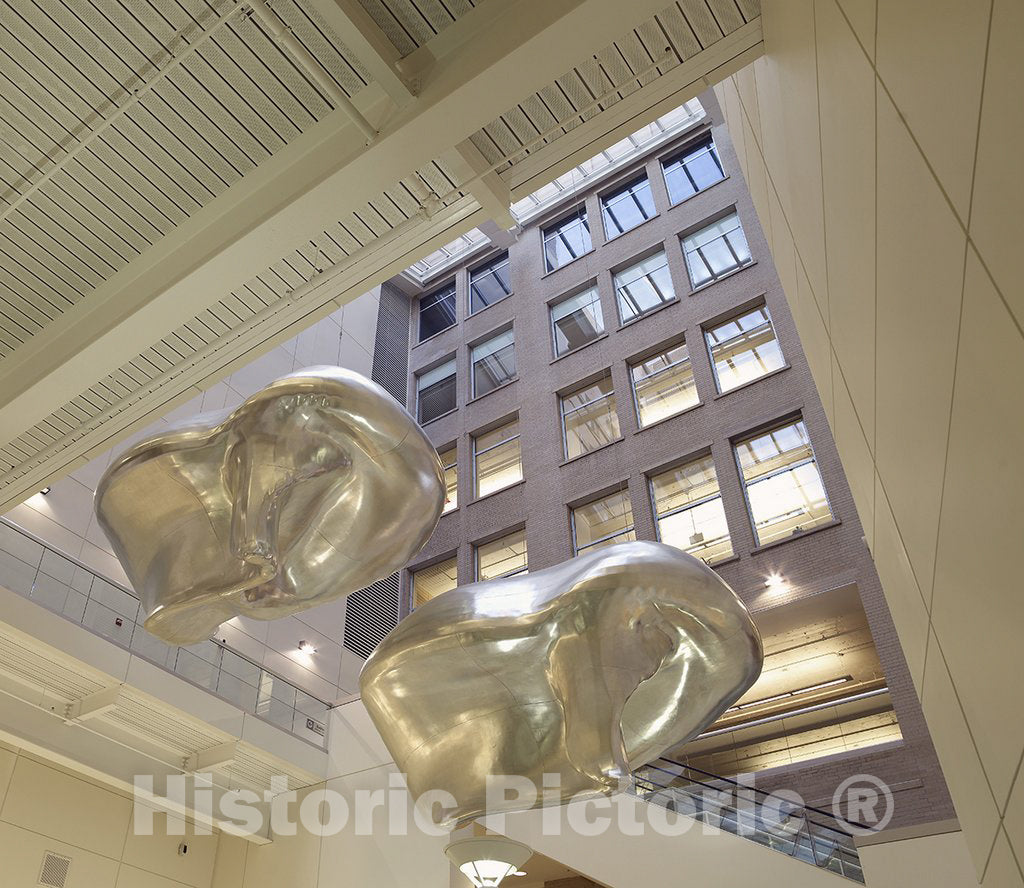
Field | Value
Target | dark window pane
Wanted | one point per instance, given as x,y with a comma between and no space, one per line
576,320
627,207
693,170
567,240
489,284
437,312
435,392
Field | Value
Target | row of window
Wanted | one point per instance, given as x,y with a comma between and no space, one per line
742,348
691,170
780,476
710,253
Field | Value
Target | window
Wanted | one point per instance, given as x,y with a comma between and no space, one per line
784,488
603,522
451,479
567,240
693,169
497,460
589,419
435,392
576,321
503,557
489,283
627,207
743,348
663,385
688,510
716,250
493,363
643,287
437,311
429,582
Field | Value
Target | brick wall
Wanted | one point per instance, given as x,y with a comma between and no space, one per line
825,558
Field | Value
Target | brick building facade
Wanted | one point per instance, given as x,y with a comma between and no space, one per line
828,556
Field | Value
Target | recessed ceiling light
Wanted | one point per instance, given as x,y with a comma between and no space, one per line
307,647
45,491
775,581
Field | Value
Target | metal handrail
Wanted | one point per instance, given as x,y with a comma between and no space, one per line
824,846
257,699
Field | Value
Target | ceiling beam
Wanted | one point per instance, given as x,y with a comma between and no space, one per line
492,58
484,184
369,44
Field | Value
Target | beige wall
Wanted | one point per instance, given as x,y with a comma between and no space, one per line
882,145
46,808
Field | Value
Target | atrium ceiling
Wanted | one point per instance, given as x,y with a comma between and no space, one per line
185,184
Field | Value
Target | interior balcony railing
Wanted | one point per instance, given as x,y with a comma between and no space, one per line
809,834
65,586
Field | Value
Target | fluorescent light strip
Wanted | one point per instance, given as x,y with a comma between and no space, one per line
787,694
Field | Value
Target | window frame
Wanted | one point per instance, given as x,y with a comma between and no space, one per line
715,277
631,365
546,234
562,300
632,265
622,491
705,142
453,558
627,190
477,453
508,331
488,268
736,441
563,414
453,361
454,464
704,500
504,536
433,294
731,318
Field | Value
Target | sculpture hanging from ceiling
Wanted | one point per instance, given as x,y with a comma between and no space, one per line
586,670
314,487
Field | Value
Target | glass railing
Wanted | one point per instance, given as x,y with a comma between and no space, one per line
30,568
808,834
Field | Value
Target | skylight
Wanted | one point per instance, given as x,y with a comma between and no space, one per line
612,158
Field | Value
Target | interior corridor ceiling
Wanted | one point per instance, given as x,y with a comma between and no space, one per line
185,184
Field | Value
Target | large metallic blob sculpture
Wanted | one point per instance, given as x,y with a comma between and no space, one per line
585,670
314,487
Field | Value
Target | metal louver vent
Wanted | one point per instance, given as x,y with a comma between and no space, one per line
54,871
370,614
391,342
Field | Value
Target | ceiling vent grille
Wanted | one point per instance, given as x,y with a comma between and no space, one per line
370,614
54,871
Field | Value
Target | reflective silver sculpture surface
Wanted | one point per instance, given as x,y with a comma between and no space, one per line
314,487
586,670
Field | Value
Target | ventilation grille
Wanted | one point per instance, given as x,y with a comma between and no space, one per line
370,614
391,343
54,872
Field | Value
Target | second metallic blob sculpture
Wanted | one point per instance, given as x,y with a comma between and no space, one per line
314,487
585,670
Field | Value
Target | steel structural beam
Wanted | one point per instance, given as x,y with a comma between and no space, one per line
369,44
473,72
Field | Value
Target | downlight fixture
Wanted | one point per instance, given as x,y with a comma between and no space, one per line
487,860
307,647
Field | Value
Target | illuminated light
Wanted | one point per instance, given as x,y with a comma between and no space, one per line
786,694
307,647
775,581
486,860
45,490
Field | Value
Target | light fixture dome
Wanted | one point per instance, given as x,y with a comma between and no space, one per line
486,860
